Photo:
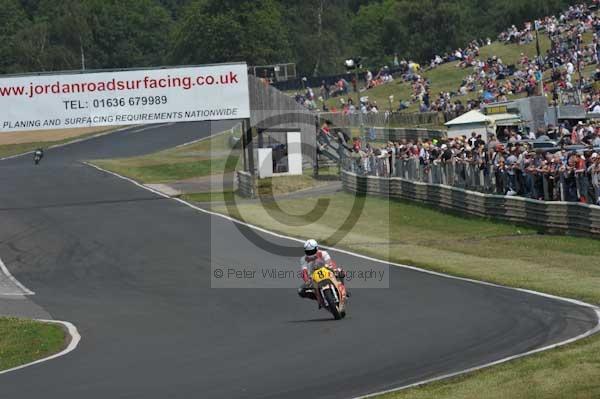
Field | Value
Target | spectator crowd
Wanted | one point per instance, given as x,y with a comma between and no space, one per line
566,168
574,46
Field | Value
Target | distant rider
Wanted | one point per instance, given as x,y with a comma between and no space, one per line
314,258
38,154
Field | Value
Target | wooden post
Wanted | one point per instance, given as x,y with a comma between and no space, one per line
250,150
245,127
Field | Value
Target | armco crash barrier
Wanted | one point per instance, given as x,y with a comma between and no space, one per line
563,217
245,184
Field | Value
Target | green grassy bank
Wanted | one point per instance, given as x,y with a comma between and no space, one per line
24,341
204,158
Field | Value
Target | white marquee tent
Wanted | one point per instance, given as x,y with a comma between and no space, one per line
475,121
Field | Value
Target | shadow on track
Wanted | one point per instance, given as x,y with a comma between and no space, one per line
321,320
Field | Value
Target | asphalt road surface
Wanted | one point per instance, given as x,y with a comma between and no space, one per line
132,271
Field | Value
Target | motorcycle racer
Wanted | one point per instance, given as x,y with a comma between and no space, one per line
38,155
314,258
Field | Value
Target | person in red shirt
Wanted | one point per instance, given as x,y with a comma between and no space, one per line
325,129
356,144
581,178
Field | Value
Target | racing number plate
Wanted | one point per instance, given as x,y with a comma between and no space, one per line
321,274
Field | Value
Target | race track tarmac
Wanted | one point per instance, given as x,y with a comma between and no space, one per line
132,271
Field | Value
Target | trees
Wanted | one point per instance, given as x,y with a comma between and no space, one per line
59,35
321,47
220,31
12,19
45,35
127,34
421,29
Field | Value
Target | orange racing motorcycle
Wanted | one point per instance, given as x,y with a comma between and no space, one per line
329,291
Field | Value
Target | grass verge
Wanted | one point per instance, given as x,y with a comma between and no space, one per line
146,171
210,157
566,372
286,184
474,248
272,186
204,158
24,341
212,196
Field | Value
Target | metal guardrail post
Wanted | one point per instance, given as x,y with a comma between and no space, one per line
424,173
402,169
444,173
461,174
413,169
439,174
474,176
545,187
469,181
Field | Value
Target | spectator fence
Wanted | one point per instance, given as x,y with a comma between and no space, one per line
556,185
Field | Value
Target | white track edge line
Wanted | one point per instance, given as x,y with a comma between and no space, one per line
73,343
6,272
586,334
207,137
151,127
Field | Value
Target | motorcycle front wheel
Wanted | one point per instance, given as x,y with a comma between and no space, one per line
331,305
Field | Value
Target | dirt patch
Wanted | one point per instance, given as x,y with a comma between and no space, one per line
39,136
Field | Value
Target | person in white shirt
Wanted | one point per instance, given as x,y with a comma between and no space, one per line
595,107
570,68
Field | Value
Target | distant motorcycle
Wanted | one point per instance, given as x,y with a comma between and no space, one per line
37,156
329,291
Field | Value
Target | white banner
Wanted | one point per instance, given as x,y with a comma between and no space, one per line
124,98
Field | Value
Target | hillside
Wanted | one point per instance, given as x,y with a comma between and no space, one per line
448,77
445,78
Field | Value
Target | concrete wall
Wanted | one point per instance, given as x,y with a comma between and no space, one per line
397,134
380,119
560,217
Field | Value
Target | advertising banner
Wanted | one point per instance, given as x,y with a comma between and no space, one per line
123,98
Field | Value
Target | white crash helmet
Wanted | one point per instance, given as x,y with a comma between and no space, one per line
311,247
